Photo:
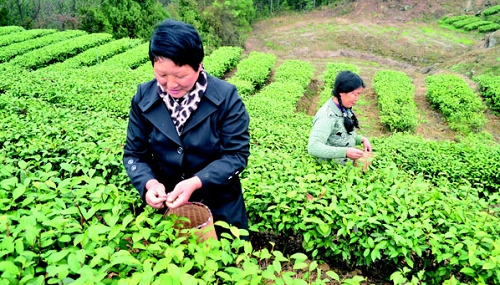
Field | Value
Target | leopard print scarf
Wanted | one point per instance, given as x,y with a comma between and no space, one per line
181,109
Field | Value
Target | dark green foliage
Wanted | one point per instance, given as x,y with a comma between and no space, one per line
490,89
492,10
396,93
457,101
129,18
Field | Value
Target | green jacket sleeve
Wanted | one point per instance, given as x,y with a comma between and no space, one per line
322,128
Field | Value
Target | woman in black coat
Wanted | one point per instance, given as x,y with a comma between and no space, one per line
187,136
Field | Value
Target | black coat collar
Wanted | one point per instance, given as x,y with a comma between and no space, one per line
156,112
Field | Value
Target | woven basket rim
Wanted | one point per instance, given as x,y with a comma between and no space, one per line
202,225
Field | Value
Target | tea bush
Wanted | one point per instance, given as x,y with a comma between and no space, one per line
132,58
222,60
492,10
490,89
96,56
457,102
395,95
471,163
10,51
256,68
60,51
10,30
24,36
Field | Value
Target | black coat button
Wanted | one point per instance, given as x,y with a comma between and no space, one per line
180,150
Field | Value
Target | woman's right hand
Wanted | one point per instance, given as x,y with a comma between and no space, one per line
155,195
354,153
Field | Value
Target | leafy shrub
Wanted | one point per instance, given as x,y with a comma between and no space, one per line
456,101
492,10
8,52
454,19
460,24
59,51
256,68
490,89
297,71
10,30
396,93
245,88
471,162
489,28
132,58
23,36
222,60
96,56
475,25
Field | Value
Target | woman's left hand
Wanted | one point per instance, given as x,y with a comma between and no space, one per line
367,146
182,192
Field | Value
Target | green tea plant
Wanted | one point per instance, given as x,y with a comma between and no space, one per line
473,162
396,93
92,88
10,30
490,89
297,71
256,68
451,20
492,10
489,28
10,51
59,51
476,25
222,60
97,55
23,36
457,102
132,58
467,21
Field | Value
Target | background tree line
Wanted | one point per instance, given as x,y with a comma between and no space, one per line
219,22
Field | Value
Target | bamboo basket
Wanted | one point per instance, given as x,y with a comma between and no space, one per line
200,221
364,161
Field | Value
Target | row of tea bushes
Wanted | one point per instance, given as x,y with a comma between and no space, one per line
10,51
457,101
97,55
222,60
132,58
490,89
10,30
24,36
95,88
59,51
395,97
473,162
252,72
470,23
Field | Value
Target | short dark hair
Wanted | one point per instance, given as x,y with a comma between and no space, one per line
177,41
345,82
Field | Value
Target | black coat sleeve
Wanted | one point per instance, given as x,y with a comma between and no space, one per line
235,143
137,155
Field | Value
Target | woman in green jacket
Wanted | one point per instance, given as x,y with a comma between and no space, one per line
333,135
